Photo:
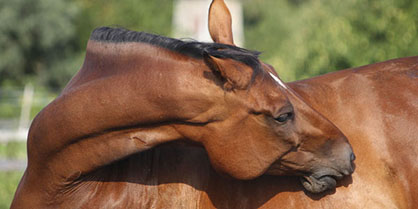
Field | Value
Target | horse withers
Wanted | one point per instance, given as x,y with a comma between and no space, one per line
136,90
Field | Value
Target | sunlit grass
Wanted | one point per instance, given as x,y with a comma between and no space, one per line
13,150
8,185
10,179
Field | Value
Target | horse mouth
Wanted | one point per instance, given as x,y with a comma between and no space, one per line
315,184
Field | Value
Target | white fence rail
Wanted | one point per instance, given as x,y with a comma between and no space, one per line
18,105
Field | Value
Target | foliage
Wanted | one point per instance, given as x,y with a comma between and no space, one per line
35,34
305,38
43,41
8,185
146,15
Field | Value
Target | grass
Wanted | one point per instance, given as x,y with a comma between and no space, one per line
8,184
10,102
10,179
13,150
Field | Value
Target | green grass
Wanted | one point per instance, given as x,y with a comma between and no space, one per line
13,150
9,110
10,179
8,185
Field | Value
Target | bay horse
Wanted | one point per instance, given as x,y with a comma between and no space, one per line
136,91
206,107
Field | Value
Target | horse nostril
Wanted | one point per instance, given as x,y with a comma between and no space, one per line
352,157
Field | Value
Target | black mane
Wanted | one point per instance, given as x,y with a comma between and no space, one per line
190,48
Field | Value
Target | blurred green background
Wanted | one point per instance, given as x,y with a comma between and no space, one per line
42,42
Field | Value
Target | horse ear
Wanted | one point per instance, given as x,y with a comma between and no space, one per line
220,23
235,74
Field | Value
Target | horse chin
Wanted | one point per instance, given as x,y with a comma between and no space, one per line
318,185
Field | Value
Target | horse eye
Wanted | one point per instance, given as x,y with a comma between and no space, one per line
284,117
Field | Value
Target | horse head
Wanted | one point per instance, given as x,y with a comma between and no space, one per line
264,126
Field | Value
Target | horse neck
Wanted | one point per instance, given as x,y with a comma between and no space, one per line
139,83
105,59
125,91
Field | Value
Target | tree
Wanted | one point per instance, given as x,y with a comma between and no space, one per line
44,41
303,38
152,16
35,35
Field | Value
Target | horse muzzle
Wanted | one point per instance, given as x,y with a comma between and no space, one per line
320,184
326,179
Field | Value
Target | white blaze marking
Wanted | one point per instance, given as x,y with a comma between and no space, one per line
278,80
